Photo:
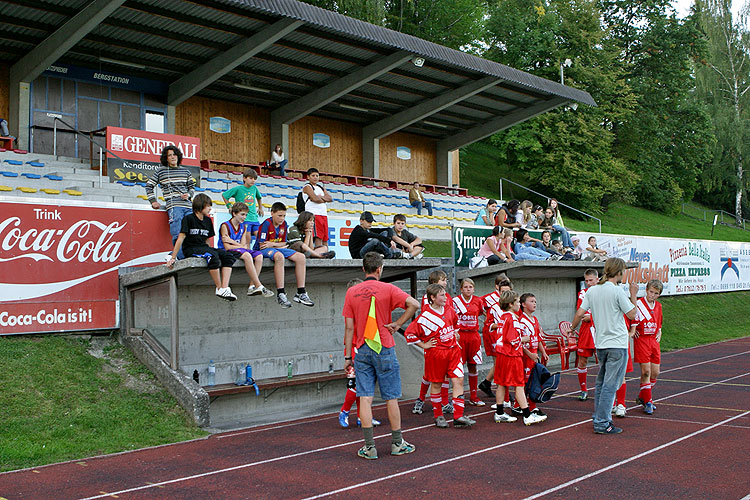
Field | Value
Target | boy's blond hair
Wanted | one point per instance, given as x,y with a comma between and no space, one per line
436,276
656,285
507,298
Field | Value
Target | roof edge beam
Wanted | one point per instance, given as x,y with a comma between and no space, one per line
320,97
63,39
497,124
222,64
404,118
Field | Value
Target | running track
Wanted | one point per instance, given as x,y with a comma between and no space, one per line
694,446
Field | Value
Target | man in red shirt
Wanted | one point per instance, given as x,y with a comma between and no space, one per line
366,308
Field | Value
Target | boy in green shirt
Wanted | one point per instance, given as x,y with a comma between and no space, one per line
249,195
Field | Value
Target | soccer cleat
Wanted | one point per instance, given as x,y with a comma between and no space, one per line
448,408
533,418
486,387
493,406
609,430
504,418
506,404
475,402
418,407
463,421
620,411
284,302
583,396
648,408
441,422
375,422
226,294
303,299
537,411
344,419
368,452
517,410
639,401
266,292
402,448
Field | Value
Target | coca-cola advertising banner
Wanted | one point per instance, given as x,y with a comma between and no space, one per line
140,153
58,263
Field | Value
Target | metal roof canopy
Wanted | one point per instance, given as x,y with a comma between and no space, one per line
290,57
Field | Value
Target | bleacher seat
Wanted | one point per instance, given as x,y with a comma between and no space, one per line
50,191
53,177
13,162
6,188
9,174
26,189
126,183
31,176
20,151
35,163
72,192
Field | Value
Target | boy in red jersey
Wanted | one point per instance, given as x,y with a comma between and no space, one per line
533,350
502,283
585,335
469,308
436,277
509,368
647,342
434,331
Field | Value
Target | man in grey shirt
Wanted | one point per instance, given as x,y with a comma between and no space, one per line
608,303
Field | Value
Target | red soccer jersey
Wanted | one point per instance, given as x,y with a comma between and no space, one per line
531,328
468,312
509,342
587,330
489,300
357,306
647,318
426,303
432,324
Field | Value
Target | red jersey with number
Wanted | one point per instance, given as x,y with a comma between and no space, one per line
647,317
587,331
468,312
489,300
432,324
532,328
509,341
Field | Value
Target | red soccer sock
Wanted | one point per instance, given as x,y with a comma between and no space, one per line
473,383
507,394
349,399
458,407
437,408
582,373
650,395
423,389
621,394
444,393
645,392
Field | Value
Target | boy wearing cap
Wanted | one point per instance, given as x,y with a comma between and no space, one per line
363,240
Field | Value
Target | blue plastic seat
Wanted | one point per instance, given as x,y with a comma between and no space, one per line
126,183
53,177
14,162
9,174
35,163
32,176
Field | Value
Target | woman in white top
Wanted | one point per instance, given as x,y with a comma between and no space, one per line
277,160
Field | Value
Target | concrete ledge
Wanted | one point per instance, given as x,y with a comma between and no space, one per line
189,394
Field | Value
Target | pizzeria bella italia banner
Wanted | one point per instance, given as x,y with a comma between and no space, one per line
685,266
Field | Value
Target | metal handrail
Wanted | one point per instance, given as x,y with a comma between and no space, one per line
89,138
547,197
719,212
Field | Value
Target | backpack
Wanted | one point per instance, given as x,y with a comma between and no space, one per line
542,384
301,200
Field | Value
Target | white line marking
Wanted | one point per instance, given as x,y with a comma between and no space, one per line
636,457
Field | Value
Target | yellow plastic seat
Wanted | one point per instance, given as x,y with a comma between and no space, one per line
72,192
142,196
6,188
27,190
50,191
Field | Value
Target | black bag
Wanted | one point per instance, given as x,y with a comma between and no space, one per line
301,200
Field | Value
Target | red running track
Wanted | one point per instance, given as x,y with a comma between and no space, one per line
694,446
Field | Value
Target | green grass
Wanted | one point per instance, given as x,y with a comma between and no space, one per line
61,403
434,248
691,320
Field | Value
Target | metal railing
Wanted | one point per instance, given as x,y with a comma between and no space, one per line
548,197
708,215
92,143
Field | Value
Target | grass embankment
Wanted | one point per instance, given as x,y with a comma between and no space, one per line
71,398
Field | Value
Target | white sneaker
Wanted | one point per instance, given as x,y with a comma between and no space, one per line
419,256
506,404
226,294
534,418
254,290
504,418
620,411
493,406
266,292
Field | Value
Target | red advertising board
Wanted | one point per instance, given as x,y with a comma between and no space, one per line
58,263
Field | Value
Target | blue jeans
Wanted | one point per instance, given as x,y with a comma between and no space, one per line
524,252
176,214
418,205
281,166
612,365
383,368
564,236
375,245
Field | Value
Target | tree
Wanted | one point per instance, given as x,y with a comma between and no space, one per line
453,23
371,11
723,82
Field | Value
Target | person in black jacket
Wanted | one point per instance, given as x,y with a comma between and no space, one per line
363,240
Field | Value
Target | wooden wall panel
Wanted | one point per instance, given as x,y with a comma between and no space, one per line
344,156
4,92
422,165
456,168
249,140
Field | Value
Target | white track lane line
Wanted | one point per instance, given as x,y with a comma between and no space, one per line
635,457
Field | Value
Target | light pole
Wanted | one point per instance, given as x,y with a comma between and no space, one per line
566,63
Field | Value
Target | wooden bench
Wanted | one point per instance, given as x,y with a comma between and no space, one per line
6,143
274,384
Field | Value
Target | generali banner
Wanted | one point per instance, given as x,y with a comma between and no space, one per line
140,153
58,264
684,266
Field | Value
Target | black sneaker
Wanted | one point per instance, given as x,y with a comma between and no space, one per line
537,411
609,430
486,387
517,410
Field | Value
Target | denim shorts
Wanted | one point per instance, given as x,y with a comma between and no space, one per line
382,368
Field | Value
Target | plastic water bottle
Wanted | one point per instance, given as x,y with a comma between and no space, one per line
289,368
248,374
330,363
211,373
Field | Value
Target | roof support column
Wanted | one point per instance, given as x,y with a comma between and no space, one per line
371,157
18,119
171,119
444,165
279,135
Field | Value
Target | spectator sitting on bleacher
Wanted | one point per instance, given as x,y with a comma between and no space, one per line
486,215
317,197
417,200
411,244
523,214
550,222
537,215
547,243
578,249
525,249
595,253
277,160
363,240
249,195
506,216
300,237
493,250
556,209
